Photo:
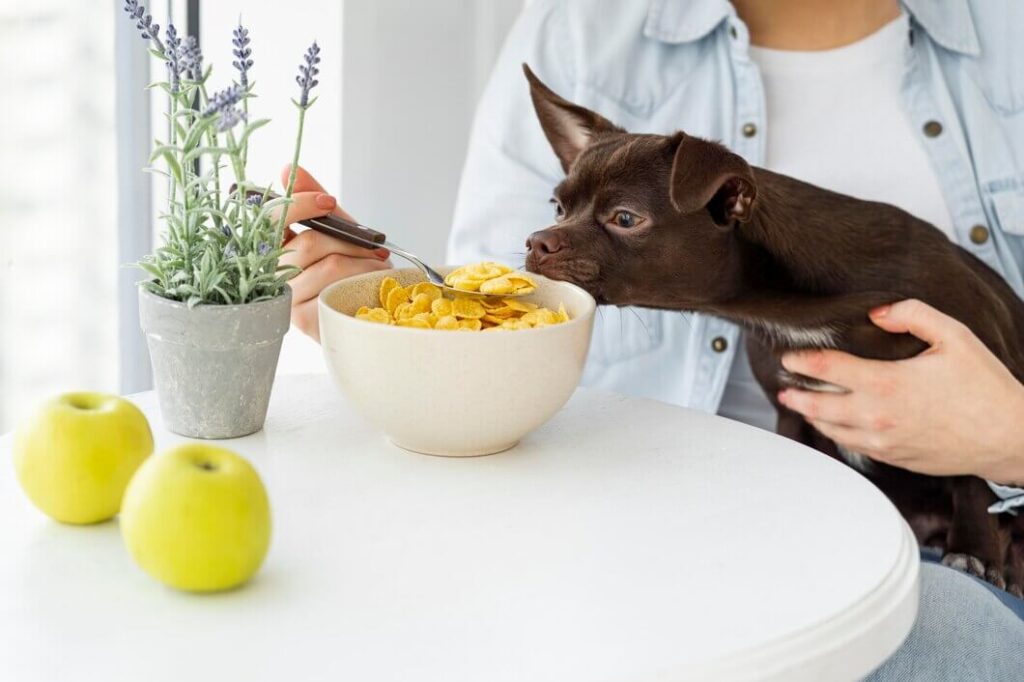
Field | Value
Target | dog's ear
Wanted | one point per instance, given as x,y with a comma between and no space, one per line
568,127
707,175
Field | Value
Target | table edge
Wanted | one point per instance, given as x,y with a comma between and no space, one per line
866,634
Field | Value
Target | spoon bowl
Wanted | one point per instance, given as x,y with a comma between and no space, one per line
361,235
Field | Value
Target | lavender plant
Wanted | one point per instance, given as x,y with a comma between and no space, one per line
222,244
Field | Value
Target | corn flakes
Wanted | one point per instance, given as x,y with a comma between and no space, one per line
423,305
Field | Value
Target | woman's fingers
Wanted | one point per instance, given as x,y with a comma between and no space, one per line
304,182
835,408
308,284
310,246
305,205
306,318
323,259
852,439
309,199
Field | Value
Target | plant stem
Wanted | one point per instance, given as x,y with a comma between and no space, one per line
171,190
279,232
236,164
245,108
213,143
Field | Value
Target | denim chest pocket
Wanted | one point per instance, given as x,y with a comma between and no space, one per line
624,333
1005,202
1008,206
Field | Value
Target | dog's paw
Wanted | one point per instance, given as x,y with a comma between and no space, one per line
972,565
1015,590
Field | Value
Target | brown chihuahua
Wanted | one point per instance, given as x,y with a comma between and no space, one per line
680,223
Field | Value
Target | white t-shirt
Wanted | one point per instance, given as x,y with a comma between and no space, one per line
835,119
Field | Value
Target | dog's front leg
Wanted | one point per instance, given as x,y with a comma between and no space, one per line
975,543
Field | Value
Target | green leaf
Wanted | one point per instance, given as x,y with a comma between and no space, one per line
160,149
194,134
265,210
250,129
211,211
194,154
168,154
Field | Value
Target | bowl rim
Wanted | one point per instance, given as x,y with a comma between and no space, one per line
323,306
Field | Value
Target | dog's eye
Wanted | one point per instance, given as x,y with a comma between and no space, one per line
625,219
559,211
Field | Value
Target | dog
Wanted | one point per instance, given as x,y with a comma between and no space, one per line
676,222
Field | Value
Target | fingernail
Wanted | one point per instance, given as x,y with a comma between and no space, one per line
325,201
381,253
880,311
782,395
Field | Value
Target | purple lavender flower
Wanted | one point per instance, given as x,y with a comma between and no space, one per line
229,118
192,59
144,22
174,61
254,200
264,249
242,54
225,230
225,99
308,72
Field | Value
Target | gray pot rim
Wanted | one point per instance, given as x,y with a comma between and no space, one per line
181,305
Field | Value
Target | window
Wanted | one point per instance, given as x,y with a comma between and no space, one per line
58,202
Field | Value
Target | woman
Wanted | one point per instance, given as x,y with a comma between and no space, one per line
918,105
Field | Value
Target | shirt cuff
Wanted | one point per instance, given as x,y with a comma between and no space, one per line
1010,499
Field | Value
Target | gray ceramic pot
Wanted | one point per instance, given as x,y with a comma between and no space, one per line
214,364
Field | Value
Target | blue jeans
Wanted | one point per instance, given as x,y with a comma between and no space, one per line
966,630
1011,602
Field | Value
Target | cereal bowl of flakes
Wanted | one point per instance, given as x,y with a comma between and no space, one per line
456,374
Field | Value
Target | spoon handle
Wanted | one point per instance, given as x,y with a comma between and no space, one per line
346,230
354,233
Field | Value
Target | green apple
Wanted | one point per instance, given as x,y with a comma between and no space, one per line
75,455
197,518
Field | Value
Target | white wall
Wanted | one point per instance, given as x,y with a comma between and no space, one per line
413,74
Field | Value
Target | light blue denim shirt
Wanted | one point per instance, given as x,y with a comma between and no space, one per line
665,65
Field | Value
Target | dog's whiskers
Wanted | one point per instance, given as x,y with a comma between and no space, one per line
642,323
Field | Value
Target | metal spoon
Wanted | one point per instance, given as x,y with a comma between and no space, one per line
368,238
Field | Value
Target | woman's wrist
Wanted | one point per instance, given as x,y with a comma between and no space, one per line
1008,463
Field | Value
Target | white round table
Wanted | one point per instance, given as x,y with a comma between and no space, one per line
625,540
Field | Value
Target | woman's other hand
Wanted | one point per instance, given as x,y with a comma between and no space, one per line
953,409
323,259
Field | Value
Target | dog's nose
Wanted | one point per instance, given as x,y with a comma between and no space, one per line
546,242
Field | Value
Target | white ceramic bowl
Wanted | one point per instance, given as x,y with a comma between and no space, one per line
453,393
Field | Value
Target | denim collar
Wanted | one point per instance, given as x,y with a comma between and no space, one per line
948,22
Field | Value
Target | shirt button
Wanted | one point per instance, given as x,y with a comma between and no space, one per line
932,128
719,344
979,234
749,130
732,32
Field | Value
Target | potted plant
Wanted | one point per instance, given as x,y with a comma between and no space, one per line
217,303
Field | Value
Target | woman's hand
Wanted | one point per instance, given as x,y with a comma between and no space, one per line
953,409
323,259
